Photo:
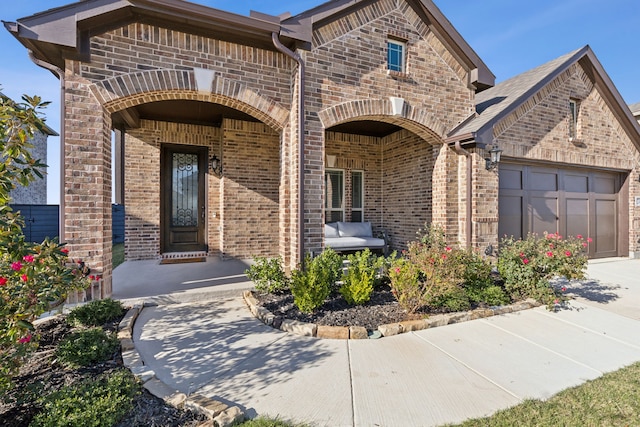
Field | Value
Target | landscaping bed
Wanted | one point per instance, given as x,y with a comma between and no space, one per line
43,374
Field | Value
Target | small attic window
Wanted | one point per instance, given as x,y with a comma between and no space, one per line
396,52
574,110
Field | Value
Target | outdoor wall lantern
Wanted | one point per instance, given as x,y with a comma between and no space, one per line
216,165
493,159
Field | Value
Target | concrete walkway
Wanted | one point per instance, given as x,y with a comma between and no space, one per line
424,378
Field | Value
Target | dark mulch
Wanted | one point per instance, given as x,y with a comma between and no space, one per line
383,308
42,374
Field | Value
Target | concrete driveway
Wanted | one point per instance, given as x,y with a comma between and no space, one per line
425,378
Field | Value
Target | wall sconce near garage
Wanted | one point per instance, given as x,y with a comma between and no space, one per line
491,162
215,164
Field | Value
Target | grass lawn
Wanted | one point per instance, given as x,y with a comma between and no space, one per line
611,400
118,254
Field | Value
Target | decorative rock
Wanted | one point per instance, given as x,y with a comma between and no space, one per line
277,322
333,332
437,320
504,309
300,328
374,335
131,358
143,373
390,329
176,400
205,405
414,325
265,315
358,333
124,334
129,319
229,417
127,344
164,392
458,317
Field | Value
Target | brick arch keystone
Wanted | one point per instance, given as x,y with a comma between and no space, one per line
128,90
421,122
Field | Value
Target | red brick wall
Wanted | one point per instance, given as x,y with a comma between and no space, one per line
250,208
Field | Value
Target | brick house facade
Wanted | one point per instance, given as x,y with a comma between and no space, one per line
181,83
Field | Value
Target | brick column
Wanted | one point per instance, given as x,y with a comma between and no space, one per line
87,191
485,203
446,190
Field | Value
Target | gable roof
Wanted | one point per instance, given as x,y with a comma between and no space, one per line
300,27
498,102
635,109
64,32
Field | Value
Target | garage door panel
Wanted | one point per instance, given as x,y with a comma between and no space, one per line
543,214
543,181
604,185
510,211
605,227
576,183
577,217
511,179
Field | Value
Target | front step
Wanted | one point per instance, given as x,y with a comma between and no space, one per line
181,255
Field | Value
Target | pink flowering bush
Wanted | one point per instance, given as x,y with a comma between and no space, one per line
32,276
528,265
432,274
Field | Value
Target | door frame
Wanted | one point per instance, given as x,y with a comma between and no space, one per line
166,192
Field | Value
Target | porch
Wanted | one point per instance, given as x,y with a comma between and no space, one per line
149,281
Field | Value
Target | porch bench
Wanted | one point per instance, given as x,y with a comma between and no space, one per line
352,236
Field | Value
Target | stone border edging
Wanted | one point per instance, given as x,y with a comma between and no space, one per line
390,329
219,413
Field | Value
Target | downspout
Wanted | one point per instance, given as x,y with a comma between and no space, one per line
468,224
60,74
301,72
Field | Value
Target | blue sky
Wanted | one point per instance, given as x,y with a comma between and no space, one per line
511,37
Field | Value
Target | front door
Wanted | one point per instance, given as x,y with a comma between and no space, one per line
182,198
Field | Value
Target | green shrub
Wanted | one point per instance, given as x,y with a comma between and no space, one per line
95,313
478,283
455,299
268,275
310,288
97,403
433,274
493,295
528,265
82,348
359,279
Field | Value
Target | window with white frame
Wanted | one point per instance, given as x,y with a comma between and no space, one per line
396,52
357,196
333,195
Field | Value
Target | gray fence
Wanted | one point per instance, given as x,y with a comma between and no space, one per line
43,221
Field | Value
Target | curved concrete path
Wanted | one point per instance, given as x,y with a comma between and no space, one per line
424,378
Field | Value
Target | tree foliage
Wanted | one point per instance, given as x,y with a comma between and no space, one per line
33,276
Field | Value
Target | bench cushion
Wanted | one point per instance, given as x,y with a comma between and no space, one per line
353,243
331,229
355,229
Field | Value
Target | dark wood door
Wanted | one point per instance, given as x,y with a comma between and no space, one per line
537,199
182,198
